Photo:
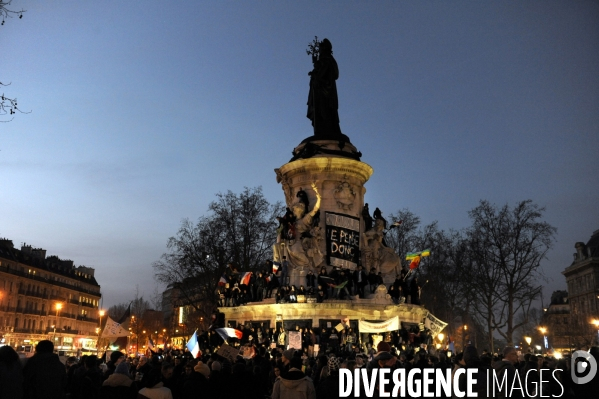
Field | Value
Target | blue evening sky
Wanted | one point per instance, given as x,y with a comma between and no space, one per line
143,110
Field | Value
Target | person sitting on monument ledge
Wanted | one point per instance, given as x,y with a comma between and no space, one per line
292,294
320,294
280,295
301,290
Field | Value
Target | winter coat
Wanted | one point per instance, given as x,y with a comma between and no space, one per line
118,386
295,386
45,377
11,380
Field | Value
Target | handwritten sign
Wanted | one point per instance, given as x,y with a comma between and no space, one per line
228,352
295,340
343,240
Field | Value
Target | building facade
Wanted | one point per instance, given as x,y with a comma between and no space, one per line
582,278
46,298
556,319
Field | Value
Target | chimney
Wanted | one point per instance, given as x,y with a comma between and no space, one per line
580,251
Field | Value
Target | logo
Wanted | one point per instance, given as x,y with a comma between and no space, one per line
583,367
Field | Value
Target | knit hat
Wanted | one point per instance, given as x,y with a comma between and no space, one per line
333,363
288,354
116,355
202,368
383,347
470,354
122,368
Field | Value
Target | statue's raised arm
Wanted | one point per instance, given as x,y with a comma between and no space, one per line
317,204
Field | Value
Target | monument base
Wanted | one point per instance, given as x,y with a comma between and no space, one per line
327,314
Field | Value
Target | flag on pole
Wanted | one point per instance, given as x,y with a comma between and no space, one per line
415,257
193,345
113,329
412,255
150,344
125,317
245,279
121,341
229,332
396,224
223,280
327,280
414,263
275,267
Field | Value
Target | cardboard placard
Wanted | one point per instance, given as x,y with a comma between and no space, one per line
295,340
228,352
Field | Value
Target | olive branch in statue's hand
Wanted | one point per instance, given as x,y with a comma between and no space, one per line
313,50
313,47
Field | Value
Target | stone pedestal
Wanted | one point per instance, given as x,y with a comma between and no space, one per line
332,223
339,177
331,310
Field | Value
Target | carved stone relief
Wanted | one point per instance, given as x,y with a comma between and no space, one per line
345,195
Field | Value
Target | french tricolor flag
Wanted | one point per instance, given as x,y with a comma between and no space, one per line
246,278
223,280
229,332
193,345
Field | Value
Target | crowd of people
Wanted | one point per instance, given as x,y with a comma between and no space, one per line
236,289
270,372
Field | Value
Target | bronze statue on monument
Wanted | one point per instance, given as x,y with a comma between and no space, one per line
323,103
323,108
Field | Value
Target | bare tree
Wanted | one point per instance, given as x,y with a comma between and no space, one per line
240,229
403,238
8,105
507,247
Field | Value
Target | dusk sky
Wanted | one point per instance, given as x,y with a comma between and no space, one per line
141,111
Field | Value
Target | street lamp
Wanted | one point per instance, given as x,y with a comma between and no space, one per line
543,331
440,336
595,322
58,307
101,313
528,341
